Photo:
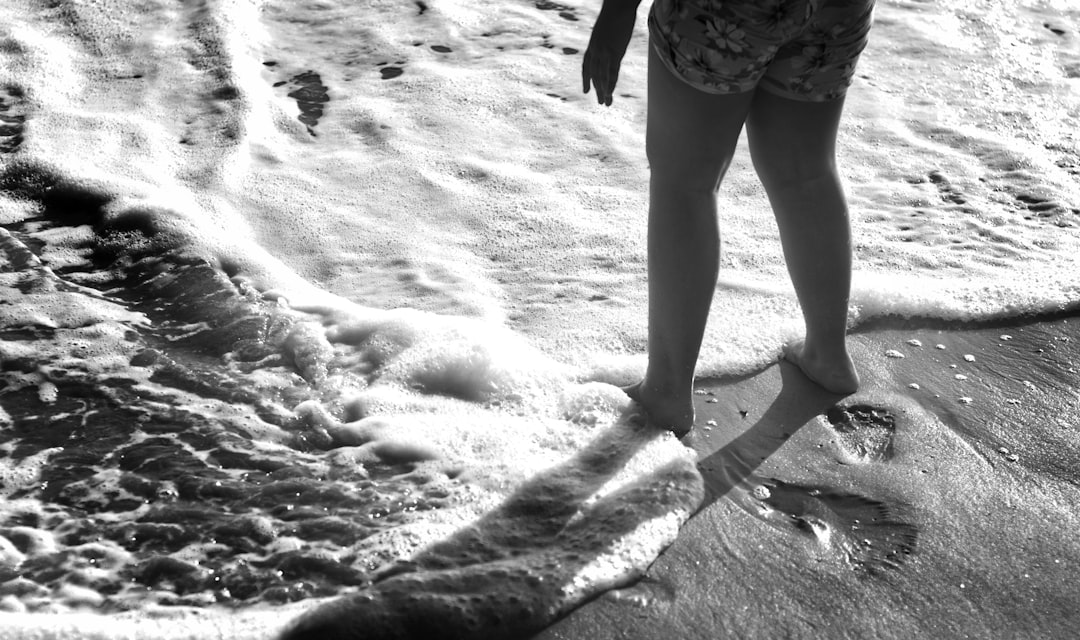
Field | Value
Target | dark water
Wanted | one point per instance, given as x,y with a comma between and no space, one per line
143,461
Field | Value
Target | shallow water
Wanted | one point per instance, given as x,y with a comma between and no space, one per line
294,291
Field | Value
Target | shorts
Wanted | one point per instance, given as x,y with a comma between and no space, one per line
799,49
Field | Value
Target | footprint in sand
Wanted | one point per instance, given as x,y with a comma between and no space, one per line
1056,29
1040,206
565,12
389,72
865,433
949,193
867,534
12,119
310,95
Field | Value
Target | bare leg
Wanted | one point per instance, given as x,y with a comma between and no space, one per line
690,139
793,145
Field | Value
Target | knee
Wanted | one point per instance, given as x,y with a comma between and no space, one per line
794,168
791,160
683,168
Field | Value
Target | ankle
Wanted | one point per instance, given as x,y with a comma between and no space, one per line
825,348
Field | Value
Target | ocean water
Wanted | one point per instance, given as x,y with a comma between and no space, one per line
300,299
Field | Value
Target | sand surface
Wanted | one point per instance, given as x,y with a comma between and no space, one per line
945,511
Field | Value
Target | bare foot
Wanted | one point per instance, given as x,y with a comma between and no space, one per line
835,373
670,411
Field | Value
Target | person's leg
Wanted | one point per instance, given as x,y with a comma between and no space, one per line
793,146
690,139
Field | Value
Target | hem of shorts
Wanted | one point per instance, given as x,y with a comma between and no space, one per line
760,85
675,72
800,97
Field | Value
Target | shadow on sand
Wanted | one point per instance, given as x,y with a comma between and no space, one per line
547,549
798,402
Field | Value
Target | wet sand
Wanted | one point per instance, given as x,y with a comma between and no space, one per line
940,501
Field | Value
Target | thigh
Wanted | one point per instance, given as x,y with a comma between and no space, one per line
690,135
792,140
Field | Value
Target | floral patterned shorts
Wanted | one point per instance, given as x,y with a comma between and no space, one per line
800,49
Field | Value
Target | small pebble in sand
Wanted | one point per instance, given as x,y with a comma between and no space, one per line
960,376
965,400
969,358
939,346
915,342
1012,457
1006,337
712,401
701,392
914,385
761,492
952,366
710,423
1003,451
893,353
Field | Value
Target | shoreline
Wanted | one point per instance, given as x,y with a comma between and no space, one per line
936,511
996,321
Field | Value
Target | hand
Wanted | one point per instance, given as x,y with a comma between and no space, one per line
607,46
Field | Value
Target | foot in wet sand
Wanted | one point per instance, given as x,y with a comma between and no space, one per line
664,410
835,373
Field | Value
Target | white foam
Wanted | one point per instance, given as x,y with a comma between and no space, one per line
159,625
23,474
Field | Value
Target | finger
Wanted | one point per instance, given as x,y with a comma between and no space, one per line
601,79
585,72
609,83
